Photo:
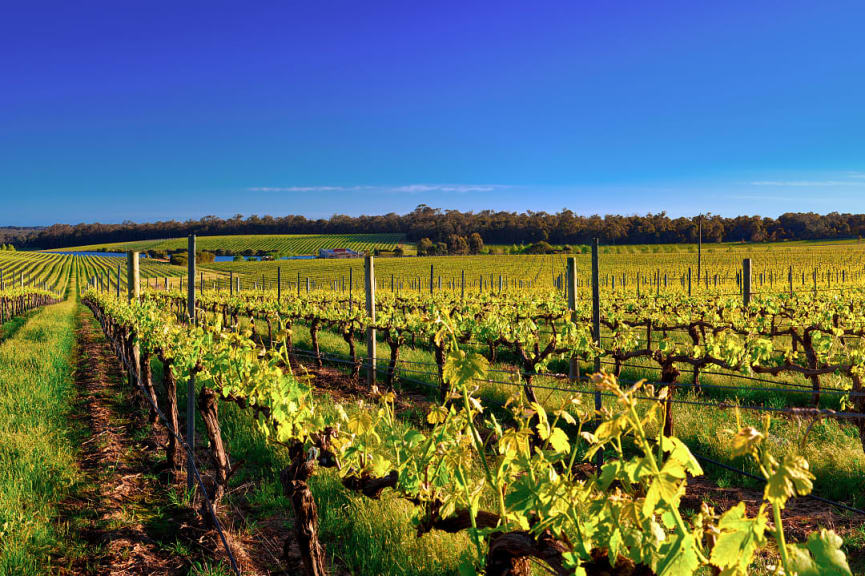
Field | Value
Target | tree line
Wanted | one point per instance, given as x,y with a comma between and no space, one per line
491,227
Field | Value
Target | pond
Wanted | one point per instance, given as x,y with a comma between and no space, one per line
231,258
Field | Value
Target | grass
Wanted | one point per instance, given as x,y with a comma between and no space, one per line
37,457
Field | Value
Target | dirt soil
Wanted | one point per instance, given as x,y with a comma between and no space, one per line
126,517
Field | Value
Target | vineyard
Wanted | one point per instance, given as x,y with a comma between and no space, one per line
282,244
775,269
501,415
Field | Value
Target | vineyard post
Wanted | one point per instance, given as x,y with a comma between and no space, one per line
231,283
133,290
279,283
201,282
351,284
463,285
689,281
746,281
596,325
118,282
574,372
133,293
369,284
431,278
699,245
190,385
790,279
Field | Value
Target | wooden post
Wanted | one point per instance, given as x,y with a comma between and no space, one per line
133,293
746,281
231,283
689,281
298,284
463,285
369,284
133,276
351,284
699,246
790,279
574,371
118,282
190,385
431,279
279,283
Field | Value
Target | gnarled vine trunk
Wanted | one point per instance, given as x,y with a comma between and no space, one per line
294,480
209,408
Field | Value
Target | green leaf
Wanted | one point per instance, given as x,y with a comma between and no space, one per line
791,477
739,538
821,555
559,441
460,367
681,559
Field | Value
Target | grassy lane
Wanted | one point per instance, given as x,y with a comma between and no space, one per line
37,456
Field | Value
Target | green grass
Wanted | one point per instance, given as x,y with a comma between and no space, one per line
37,457
284,244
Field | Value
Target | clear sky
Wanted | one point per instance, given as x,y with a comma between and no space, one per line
144,110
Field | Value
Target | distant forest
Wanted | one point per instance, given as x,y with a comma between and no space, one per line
561,228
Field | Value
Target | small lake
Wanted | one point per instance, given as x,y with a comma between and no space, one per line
256,258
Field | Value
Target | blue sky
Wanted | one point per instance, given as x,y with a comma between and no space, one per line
156,110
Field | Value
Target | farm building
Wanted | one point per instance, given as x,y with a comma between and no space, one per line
338,253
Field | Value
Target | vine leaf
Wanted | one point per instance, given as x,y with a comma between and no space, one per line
821,555
739,538
790,478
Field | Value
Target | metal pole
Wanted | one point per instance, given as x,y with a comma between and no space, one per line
746,281
369,284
